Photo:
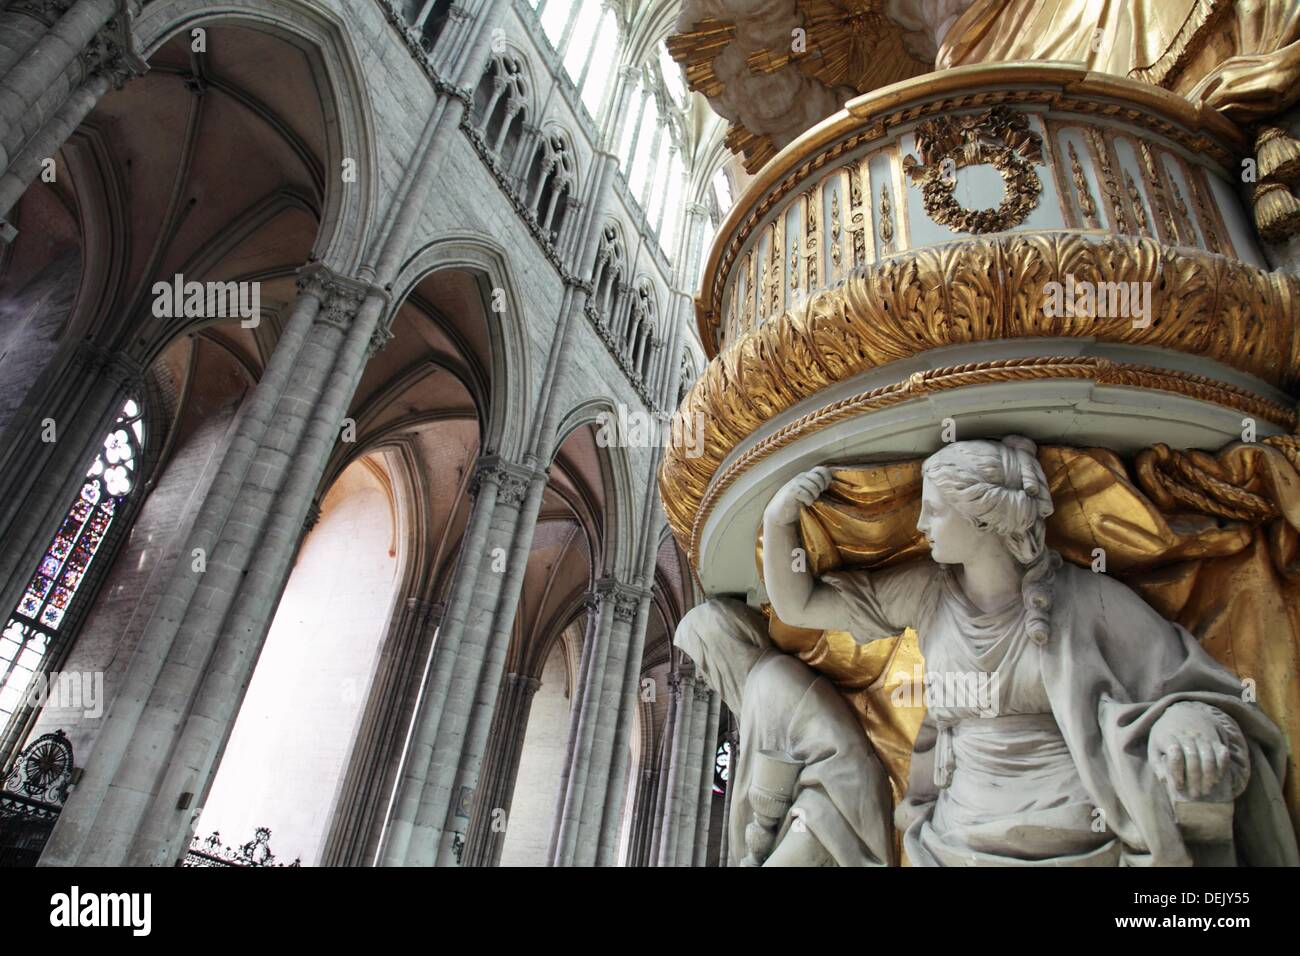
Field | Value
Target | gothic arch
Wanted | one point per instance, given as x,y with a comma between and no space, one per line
507,424
349,209
621,504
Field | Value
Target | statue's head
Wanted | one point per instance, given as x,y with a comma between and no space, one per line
977,490
979,496
724,638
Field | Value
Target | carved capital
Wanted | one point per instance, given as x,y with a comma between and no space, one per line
511,480
340,297
113,52
625,607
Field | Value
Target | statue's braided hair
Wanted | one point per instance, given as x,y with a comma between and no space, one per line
1001,487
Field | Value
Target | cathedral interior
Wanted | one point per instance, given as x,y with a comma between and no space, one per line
397,396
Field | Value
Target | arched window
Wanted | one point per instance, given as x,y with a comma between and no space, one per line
550,183
499,105
51,594
428,18
722,767
608,274
653,147
585,35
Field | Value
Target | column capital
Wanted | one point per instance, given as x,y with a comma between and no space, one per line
113,53
119,367
702,691
524,684
340,296
511,480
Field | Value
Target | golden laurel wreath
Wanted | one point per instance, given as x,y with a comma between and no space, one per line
998,137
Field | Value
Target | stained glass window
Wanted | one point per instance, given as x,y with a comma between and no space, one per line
722,767
44,606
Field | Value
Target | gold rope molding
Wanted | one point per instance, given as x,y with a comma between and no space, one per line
680,500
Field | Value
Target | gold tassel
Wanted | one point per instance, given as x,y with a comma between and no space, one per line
1277,155
1277,212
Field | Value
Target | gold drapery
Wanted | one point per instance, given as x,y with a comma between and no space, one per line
1210,541
1242,59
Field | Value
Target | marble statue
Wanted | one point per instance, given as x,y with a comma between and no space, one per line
1070,724
807,789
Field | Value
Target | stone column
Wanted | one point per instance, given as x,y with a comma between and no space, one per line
571,229
490,819
157,753
709,750
40,79
733,738
370,780
643,806
483,653
424,794
689,781
605,789
658,813
587,751
683,690
619,105
697,214
522,161
452,44
108,67
22,24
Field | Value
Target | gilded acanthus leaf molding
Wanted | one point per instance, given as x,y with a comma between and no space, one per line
979,290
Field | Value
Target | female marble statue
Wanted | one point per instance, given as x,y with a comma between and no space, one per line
1107,726
839,805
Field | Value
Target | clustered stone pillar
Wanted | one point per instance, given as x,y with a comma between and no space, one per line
733,758
591,786
424,811
491,812
688,790
370,780
155,758
57,72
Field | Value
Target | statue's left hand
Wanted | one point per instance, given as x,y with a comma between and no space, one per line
1185,745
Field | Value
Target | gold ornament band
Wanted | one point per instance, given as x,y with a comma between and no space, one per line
689,499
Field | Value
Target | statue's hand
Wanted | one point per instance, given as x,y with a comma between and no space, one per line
799,847
800,491
1185,745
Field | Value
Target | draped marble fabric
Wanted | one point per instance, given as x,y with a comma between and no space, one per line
1235,585
1110,669
842,794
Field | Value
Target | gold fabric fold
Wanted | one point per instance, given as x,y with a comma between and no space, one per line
1210,541
1242,59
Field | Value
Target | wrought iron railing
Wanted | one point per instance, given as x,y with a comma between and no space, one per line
212,851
